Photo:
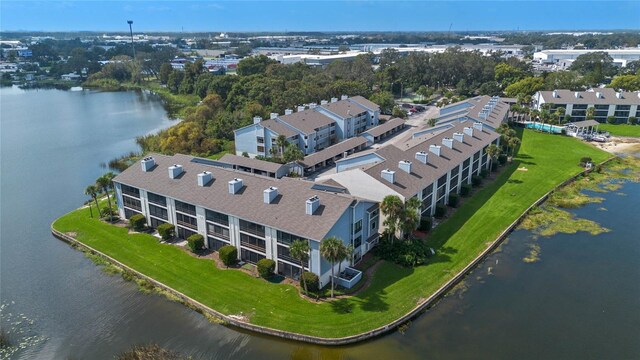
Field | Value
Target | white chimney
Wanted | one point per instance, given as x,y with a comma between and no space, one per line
288,111
301,108
175,170
235,185
312,105
312,205
468,131
148,163
599,95
405,165
458,137
422,156
448,142
273,115
388,175
344,97
334,100
555,93
577,95
256,119
270,194
619,95
204,178
324,102
435,149
478,126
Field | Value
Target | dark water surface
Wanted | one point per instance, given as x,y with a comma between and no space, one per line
581,300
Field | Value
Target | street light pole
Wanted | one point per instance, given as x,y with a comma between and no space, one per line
130,22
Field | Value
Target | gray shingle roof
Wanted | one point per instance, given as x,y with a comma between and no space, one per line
267,166
366,103
389,125
307,121
287,213
424,174
344,108
279,128
587,97
333,150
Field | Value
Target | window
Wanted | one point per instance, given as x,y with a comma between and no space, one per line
286,238
373,225
284,254
252,242
187,221
131,191
260,140
132,203
157,199
260,149
129,213
217,217
357,242
185,208
427,191
217,230
184,233
357,227
289,270
215,244
252,228
155,222
250,256
157,211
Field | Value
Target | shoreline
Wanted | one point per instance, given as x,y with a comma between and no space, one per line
620,145
424,304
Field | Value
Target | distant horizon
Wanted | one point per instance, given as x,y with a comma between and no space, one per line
313,16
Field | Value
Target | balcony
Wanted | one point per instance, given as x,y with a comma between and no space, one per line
186,224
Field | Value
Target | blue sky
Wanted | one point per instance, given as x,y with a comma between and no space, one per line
318,15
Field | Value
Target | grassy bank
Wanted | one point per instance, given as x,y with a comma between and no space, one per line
621,129
394,291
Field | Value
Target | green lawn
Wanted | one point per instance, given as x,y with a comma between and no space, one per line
394,290
621,129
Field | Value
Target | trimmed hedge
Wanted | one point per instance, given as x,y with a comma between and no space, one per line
408,253
138,222
167,231
465,190
425,224
454,199
441,210
228,255
266,268
313,282
195,242
476,180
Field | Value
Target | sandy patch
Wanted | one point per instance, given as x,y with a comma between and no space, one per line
620,145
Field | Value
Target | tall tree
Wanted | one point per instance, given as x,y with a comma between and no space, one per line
493,151
330,250
92,191
281,141
410,216
292,154
299,250
104,182
391,207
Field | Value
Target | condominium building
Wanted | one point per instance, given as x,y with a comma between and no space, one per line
491,111
312,127
259,215
606,102
430,166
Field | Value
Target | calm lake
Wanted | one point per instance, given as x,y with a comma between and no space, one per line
581,300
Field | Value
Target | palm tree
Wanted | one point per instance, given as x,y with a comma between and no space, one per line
391,207
92,191
513,143
410,216
493,151
330,250
591,112
281,141
103,182
346,252
299,250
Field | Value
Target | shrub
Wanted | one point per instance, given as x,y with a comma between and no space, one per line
138,222
313,282
406,253
476,180
228,255
502,159
425,224
633,120
441,210
465,190
195,242
454,199
484,173
266,268
167,231
611,119
584,160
